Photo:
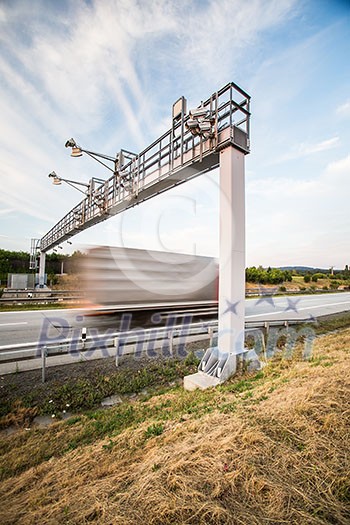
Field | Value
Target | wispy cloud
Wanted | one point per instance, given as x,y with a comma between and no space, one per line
344,109
304,149
98,71
6,211
202,46
302,216
339,167
107,72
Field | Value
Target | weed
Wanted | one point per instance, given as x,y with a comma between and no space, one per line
321,361
88,392
191,359
228,407
111,444
73,420
240,386
247,395
154,430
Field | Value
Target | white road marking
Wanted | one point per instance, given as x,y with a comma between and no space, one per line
297,309
11,324
322,306
265,314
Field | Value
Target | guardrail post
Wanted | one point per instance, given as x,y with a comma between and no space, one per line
171,342
83,337
116,346
211,336
43,363
266,327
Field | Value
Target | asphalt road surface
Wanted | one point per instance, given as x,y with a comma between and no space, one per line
33,326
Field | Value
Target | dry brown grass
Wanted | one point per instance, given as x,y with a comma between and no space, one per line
281,456
68,282
20,416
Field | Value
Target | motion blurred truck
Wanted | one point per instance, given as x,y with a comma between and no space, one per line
118,275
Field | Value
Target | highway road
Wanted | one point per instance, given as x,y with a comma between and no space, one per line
32,326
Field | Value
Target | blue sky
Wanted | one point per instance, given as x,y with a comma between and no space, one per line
107,72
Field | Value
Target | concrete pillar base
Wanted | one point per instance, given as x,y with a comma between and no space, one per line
200,380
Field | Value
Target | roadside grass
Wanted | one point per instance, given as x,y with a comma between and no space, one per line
47,306
326,283
331,323
21,402
82,393
266,447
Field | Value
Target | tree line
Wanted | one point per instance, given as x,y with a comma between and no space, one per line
267,276
18,262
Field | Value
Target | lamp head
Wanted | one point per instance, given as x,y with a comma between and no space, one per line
76,152
70,143
55,178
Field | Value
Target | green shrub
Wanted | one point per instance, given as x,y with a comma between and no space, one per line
319,275
307,278
269,276
53,279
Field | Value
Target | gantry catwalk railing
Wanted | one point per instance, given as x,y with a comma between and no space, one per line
172,159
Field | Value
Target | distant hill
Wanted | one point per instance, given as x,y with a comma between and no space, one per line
304,269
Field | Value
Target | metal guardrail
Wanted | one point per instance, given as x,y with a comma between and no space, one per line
35,295
35,355
63,298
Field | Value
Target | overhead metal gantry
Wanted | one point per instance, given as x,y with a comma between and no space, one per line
214,134
175,157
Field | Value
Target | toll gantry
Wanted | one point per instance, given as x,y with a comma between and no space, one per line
191,147
216,133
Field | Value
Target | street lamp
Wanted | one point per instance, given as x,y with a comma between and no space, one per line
77,151
118,161
90,187
57,181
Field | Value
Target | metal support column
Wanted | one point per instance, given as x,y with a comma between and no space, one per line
220,362
232,254
42,261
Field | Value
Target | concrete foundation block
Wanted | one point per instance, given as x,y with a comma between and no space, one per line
200,380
